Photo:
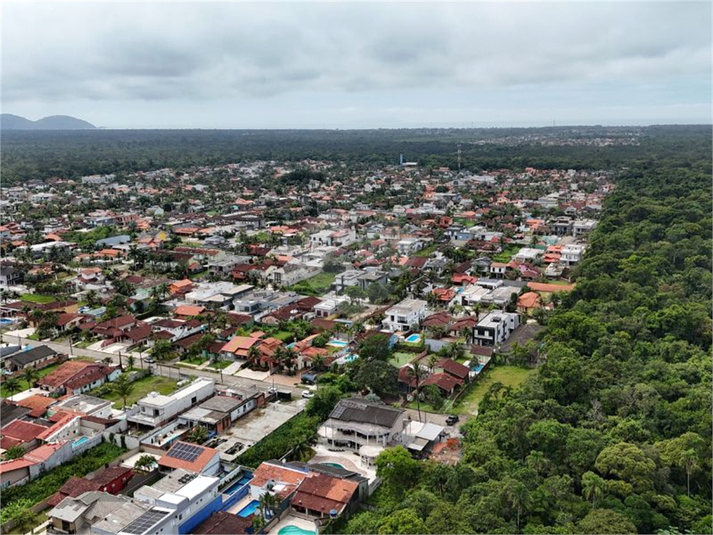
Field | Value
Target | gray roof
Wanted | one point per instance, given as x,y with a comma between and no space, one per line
221,404
362,411
26,357
8,350
115,240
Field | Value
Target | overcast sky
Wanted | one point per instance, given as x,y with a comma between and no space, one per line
357,65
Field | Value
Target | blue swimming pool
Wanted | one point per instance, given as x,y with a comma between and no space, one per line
249,509
80,440
479,367
239,483
335,465
294,530
6,321
413,338
337,343
350,358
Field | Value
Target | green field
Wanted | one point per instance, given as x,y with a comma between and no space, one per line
508,375
37,298
400,358
317,285
152,383
23,384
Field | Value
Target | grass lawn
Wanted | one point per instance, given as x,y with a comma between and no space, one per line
37,298
425,407
426,252
400,358
23,384
197,361
506,255
152,383
221,364
283,335
508,375
317,285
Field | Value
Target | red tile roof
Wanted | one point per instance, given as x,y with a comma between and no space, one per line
323,493
37,404
268,471
22,430
454,368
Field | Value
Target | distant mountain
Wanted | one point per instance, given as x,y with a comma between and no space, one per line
9,121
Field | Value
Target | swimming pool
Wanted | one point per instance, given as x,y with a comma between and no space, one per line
80,440
240,483
249,509
335,465
294,530
6,321
350,358
413,338
479,367
337,343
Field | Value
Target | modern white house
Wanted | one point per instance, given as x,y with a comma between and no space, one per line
405,315
495,328
583,226
410,245
157,409
329,306
572,254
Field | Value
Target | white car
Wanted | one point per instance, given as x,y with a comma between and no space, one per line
307,394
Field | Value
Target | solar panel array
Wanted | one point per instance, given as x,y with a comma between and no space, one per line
185,452
144,522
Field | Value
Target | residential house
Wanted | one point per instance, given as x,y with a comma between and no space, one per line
112,480
322,496
78,514
37,357
356,422
572,254
219,413
157,409
192,458
405,315
77,377
495,328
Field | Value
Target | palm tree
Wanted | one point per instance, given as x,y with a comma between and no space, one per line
130,360
12,385
416,372
517,496
145,464
469,333
198,434
123,387
593,487
30,375
254,354
432,360
318,362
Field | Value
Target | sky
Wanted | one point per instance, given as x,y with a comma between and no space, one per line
358,65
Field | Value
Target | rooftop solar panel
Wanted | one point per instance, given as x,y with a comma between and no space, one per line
144,522
185,452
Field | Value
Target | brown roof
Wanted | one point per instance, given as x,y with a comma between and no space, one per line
482,351
192,466
74,487
439,318
323,493
221,522
37,404
268,471
22,430
442,380
110,474
454,368
70,370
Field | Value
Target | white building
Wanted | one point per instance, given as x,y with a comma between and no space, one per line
495,328
329,306
572,254
357,422
405,315
157,409
583,226
409,246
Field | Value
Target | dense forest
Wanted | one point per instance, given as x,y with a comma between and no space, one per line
40,155
613,433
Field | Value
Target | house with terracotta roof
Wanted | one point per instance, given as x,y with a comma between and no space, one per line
77,377
21,433
191,457
276,478
112,480
528,302
37,403
322,496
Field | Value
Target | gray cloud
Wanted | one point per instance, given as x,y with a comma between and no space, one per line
208,52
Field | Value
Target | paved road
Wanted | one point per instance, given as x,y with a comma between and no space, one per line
164,369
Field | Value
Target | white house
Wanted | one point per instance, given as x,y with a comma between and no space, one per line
495,328
405,315
572,254
156,409
409,246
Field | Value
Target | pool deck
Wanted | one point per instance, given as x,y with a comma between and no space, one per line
346,458
242,504
292,520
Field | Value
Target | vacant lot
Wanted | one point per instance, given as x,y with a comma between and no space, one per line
153,383
317,285
401,358
512,376
37,298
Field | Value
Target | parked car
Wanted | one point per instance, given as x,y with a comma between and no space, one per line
452,419
307,394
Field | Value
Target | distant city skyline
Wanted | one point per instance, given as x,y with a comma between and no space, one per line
356,65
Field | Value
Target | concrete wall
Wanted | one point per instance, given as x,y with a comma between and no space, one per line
202,515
